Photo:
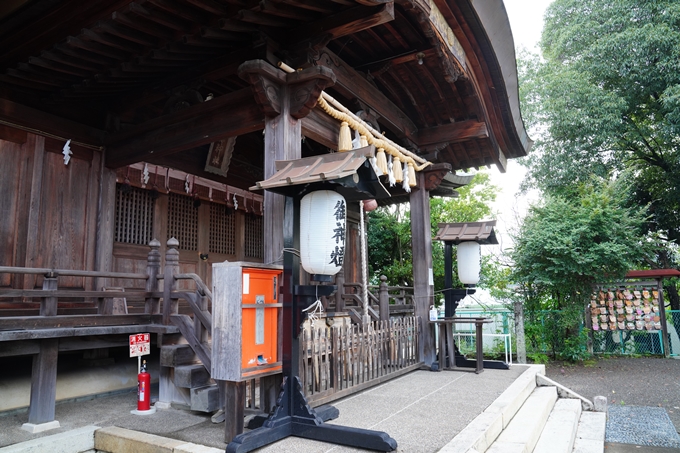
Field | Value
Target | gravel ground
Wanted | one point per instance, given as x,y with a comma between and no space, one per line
638,390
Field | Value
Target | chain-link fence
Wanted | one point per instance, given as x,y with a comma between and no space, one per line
548,331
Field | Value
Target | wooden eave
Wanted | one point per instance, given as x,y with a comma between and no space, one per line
134,77
481,232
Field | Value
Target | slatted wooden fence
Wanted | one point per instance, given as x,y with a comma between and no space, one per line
338,361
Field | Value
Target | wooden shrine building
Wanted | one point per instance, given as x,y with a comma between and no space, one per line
123,122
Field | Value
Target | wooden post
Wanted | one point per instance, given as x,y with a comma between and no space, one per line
423,290
169,283
44,371
384,299
153,268
519,333
662,315
234,409
44,383
340,282
48,306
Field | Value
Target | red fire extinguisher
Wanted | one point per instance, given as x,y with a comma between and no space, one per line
143,389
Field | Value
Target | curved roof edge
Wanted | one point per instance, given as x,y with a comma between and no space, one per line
496,25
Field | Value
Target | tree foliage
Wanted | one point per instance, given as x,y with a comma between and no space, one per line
605,100
389,231
568,244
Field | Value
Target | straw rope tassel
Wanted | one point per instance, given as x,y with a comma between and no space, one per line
364,141
396,168
381,161
345,138
411,175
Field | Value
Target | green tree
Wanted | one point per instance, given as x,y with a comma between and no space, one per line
604,100
567,244
389,231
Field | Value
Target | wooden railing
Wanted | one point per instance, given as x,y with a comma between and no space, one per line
338,361
40,313
384,301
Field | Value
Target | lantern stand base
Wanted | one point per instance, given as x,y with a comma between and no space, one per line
451,301
293,416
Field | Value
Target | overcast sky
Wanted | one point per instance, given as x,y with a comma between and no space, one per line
526,21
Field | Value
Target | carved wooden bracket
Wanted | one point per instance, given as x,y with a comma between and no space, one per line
270,84
434,175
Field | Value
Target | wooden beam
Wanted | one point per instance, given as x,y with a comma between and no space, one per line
352,84
452,133
62,332
344,23
43,122
225,116
321,128
53,322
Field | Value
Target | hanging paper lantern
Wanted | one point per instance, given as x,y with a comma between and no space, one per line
323,216
468,262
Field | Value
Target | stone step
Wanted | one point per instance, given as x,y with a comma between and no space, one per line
590,433
523,431
560,430
191,376
177,355
205,399
485,428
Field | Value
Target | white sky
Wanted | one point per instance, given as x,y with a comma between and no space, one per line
526,21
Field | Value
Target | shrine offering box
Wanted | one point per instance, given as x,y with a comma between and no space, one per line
246,312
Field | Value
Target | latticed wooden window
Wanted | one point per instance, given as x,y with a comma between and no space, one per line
134,215
183,221
222,239
253,245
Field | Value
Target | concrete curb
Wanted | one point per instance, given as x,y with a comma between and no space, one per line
75,441
106,440
121,440
478,436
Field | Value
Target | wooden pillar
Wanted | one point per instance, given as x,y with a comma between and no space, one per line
169,283
44,383
153,268
284,99
44,371
423,286
384,299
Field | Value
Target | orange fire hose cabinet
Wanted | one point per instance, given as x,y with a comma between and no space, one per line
246,314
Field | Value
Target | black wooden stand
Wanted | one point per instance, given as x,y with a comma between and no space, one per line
292,415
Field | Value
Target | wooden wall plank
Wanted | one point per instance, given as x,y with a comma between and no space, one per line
104,260
11,157
34,207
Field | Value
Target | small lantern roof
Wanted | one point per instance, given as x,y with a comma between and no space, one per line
480,232
349,173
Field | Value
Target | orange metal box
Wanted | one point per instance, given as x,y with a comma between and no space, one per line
259,321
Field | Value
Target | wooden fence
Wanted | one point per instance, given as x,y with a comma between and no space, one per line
338,361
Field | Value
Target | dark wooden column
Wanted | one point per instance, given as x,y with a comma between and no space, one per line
423,290
44,371
284,100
